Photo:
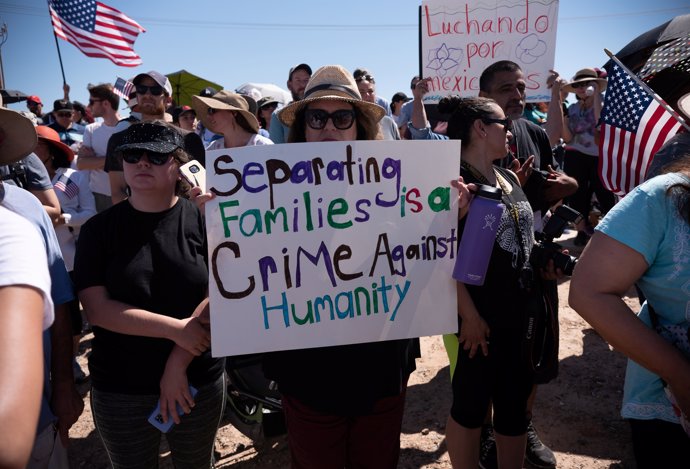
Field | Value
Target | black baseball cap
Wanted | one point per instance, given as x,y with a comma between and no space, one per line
304,67
150,136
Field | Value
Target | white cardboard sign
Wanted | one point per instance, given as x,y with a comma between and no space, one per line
461,38
319,244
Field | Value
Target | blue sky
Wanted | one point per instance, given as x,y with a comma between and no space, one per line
236,42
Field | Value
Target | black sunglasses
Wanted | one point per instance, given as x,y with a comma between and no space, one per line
64,114
366,77
155,90
92,100
507,123
155,158
342,119
582,84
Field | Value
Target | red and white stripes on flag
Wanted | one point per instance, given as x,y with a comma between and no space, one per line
633,128
97,30
123,88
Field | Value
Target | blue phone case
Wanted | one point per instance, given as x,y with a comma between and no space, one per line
156,419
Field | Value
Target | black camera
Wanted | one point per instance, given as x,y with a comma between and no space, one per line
546,249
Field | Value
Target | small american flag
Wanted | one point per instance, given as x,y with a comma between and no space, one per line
123,88
633,128
675,54
66,185
96,29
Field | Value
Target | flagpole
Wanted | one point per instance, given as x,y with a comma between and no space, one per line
650,91
57,45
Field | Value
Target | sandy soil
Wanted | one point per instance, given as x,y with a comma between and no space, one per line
577,414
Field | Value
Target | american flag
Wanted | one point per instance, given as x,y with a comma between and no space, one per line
96,29
675,54
66,185
633,127
123,88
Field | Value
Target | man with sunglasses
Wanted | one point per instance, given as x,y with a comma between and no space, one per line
103,103
504,82
62,113
153,95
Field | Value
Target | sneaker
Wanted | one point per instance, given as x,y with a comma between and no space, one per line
79,375
488,458
537,453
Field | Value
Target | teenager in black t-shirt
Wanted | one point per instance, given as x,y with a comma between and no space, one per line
141,272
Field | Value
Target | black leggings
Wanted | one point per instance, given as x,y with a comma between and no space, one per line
585,170
657,443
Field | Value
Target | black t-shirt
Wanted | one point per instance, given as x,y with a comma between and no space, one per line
531,139
345,379
155,261
497,301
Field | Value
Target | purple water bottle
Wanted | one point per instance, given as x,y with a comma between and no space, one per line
479,235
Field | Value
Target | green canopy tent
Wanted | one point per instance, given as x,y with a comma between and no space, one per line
185,85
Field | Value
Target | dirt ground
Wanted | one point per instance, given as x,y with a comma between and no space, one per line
577,414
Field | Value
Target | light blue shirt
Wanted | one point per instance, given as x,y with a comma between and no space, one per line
278,131
25,204
647,220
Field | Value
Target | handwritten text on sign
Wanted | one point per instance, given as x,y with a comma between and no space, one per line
461,38
331,243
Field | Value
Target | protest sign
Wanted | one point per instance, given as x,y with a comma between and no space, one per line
319,244
460,39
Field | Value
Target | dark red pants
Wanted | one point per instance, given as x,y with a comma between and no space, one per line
324,441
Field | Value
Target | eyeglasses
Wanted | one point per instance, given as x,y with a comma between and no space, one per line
210,111
582,84
366,77
507,123
155,90
342,119
64,114
92,100
155,158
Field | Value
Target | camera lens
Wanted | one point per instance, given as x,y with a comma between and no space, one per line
194,169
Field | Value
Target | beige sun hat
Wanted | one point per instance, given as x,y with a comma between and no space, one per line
586,74
226,101
17,136
334,83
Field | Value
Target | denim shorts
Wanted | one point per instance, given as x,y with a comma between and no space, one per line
132,442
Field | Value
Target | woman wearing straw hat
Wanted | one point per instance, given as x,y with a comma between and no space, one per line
581,136
343,405
228,114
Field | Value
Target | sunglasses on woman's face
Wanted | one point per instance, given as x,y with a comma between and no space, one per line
507,123
155,158
64,114
582,84
318,118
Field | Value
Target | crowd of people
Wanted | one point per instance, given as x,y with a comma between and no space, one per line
95,205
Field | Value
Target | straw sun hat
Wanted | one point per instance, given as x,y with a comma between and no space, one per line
225,101
332,83
17,136
586,74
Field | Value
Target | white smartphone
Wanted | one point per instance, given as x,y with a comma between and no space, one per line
194,173
156,418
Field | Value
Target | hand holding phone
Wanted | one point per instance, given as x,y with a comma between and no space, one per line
156,418
194,173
